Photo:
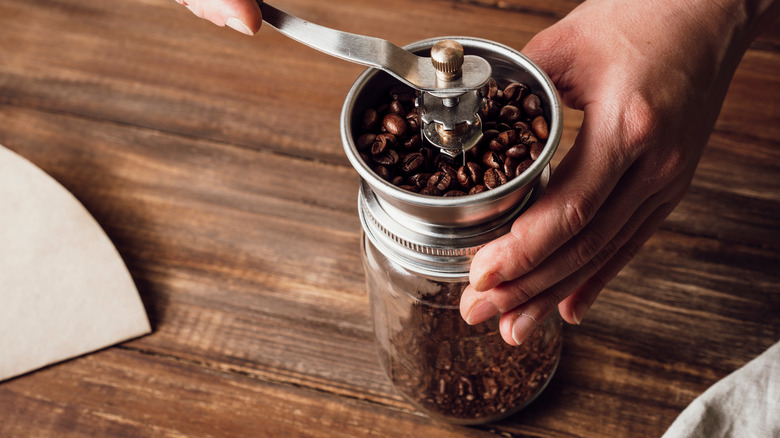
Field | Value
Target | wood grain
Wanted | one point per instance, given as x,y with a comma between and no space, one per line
213,162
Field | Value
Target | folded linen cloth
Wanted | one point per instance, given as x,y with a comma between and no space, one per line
745,403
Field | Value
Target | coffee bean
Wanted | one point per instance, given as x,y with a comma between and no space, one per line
413,120
521,125
388,158
394,124
507,138
479,188
523,166
510,166
535,150
365,141
383,172
412,162
452,193
396,107
517,151
382,142
496,146
515,91
489,134
414,142
494,178
397,180
419,180
470,175
490,89
430,191
526,136
407,187
441,180
532,106
539,126
509,114
370,119
492,160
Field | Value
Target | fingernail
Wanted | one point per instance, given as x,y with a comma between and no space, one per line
579,312
488,281
236,24
522,327
481,311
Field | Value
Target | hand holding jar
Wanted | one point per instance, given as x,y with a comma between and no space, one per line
651,78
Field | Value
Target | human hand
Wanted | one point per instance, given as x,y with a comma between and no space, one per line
241,15
651,78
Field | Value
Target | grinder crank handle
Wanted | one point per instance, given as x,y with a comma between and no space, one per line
415,71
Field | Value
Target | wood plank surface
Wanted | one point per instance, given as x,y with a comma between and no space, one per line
213,162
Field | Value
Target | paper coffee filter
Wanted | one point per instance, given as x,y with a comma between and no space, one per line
64,289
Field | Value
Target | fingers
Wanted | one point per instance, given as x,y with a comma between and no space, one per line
241,15
517,324
577,190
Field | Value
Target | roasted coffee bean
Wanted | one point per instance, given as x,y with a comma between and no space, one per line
526,136
507,138
523,166
370,119
539,126
535,150
517,151
396,107
441,180
388,158
470,175
479,188
394,124
452,193
496,146
494,178
413,142
412,162
492,160
419,180
510,166
490,89
510,114
413,120
521,125
515,91
430,191
383,172
449,169
489,134
397,180
382,142
365,141
532,106
490,111
407,187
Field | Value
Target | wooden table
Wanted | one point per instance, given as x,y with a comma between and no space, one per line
213,162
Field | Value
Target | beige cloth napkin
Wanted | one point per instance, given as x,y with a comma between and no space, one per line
64,290
745,403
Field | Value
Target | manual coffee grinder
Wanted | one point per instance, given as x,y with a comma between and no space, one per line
417,248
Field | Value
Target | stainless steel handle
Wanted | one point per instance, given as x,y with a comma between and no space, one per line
417,72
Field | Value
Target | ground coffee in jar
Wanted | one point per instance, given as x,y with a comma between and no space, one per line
424,216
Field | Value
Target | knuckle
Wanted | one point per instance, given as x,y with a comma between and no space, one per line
587,247
578,209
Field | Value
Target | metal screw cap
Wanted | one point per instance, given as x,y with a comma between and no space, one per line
447,59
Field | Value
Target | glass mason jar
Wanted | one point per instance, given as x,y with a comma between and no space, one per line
417,251
446,368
